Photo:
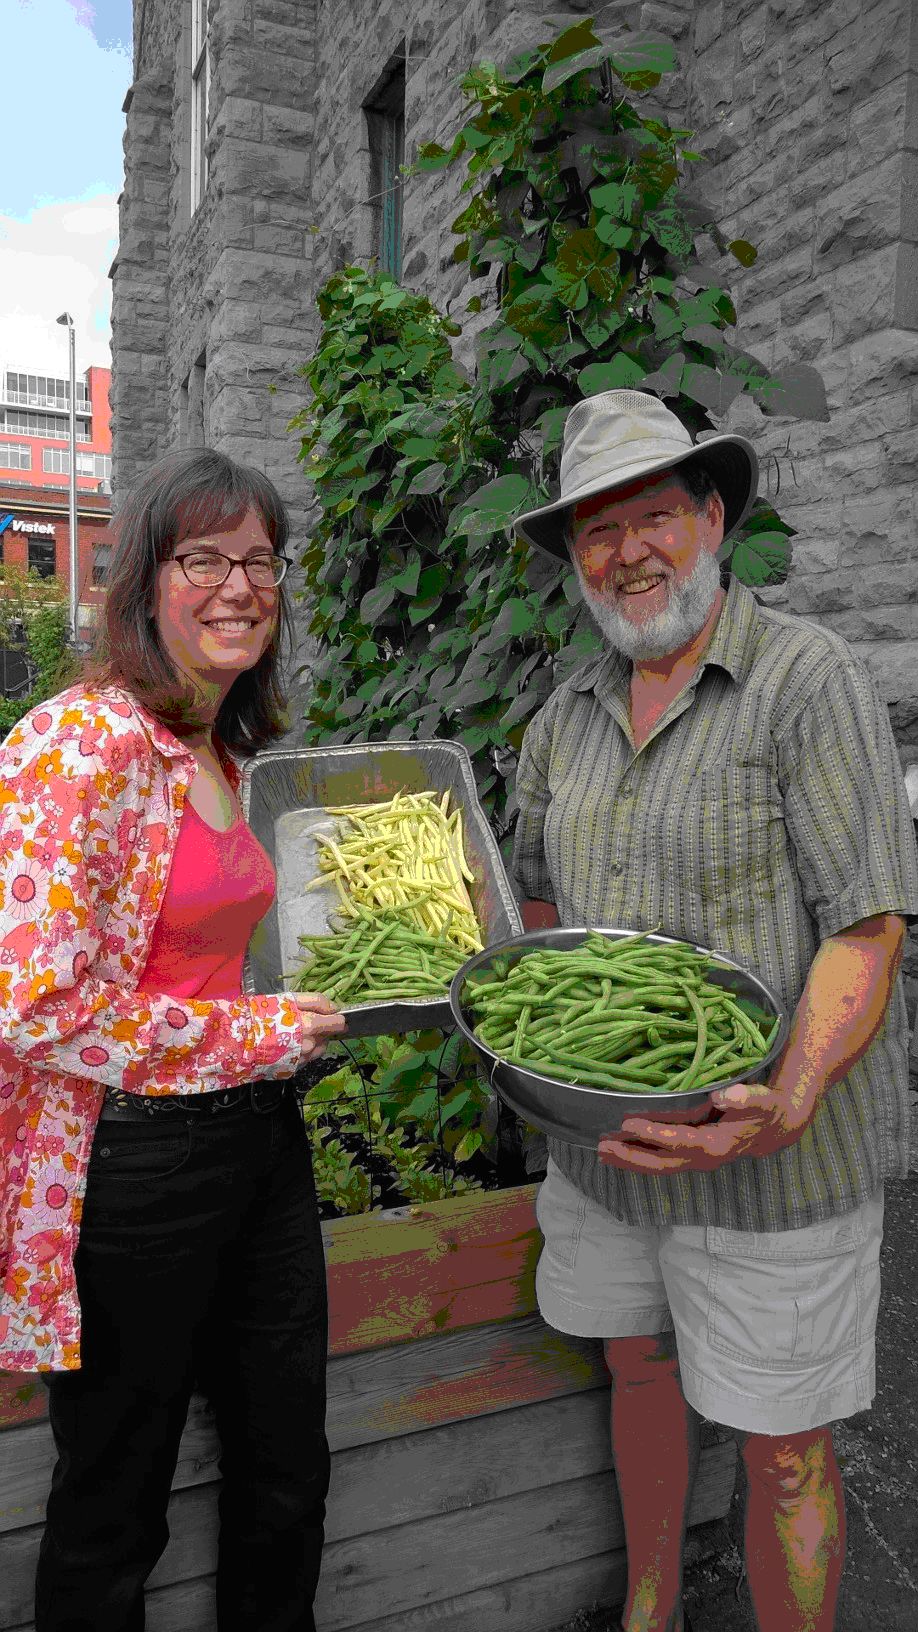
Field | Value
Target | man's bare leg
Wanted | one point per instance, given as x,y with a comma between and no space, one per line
655,1443
795,1530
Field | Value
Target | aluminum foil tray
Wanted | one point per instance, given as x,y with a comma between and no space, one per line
286,792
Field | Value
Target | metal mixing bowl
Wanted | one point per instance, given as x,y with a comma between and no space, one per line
581,1115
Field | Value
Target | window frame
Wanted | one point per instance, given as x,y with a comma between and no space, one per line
384,111
200,100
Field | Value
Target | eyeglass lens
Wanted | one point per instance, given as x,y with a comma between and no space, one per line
210,568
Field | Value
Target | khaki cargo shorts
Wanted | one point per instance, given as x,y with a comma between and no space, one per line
775,1331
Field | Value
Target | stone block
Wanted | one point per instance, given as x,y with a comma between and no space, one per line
862,214
263,74
294,41
878,363
875,623
900,461
707,24
267,172
862,295
883,125
239,116
821,592
894,665
905,309
867,54
879,529
815,545
236,320
287,127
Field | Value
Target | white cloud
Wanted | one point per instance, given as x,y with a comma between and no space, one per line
57,260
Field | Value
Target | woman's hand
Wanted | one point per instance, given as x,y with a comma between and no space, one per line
320,1021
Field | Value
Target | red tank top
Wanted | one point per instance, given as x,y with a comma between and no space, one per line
220,886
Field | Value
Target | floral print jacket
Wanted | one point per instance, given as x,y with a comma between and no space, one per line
91,796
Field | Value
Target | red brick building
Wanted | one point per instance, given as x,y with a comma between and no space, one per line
35,478
35,429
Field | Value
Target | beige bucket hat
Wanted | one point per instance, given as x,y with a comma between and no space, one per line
614,438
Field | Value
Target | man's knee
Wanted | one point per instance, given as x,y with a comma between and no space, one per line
790,1466
636,1361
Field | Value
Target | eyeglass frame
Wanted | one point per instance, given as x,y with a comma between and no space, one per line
231,561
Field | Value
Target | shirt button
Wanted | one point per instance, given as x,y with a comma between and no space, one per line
105,1151
616,868
627,790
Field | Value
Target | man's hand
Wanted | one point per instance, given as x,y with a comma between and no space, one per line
754,1120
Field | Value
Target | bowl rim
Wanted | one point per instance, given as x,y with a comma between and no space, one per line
534,937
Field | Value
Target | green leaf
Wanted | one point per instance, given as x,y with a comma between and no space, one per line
494,505
376,601
745,253
430,480
620,199
585,264
762,558
468,1144
639,54
797,390
571,41
407,580
671,229
709,387
558,72
621,373
515,618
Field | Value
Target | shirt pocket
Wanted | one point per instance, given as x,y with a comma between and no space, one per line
731,832
788,1300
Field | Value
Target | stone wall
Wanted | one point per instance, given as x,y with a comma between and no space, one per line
807,113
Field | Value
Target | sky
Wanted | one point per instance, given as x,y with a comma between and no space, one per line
58,212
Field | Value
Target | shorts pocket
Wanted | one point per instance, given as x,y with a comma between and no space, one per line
561,1213
786,1304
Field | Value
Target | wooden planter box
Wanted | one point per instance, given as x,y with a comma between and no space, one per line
471,1472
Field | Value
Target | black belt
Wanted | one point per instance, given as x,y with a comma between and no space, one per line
260,1097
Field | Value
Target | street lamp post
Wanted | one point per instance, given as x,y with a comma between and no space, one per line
74,553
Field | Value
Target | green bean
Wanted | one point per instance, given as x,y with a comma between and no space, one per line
632,1009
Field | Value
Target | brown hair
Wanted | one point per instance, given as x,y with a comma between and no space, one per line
187,495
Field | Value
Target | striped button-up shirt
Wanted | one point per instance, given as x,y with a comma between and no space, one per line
766,812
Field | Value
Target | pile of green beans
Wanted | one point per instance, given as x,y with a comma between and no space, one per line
383,957
631,1015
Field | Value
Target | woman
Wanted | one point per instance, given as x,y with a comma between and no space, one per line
159,1228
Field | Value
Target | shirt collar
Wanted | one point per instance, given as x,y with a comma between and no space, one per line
731,647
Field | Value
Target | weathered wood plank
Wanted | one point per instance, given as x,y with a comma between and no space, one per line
411,1272
399,1275
27,1458
536,1530
372,1396
22,1398
532,1603
418,1559
461,1374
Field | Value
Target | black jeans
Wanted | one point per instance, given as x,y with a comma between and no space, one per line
200,1264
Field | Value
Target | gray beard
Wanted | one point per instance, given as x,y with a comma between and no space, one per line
680,621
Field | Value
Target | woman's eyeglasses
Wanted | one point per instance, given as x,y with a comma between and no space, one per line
208,568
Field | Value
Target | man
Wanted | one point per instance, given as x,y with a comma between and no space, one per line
727,771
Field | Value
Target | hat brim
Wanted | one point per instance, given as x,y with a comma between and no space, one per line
731,461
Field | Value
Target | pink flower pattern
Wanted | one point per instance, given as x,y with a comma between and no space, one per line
91,789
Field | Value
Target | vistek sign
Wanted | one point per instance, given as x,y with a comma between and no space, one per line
35,529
